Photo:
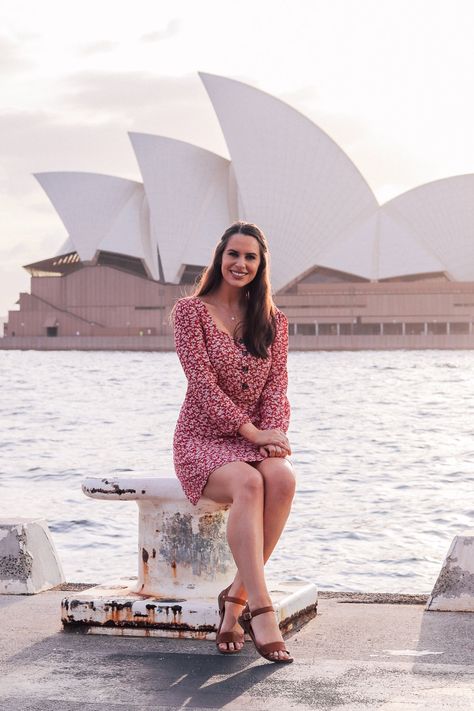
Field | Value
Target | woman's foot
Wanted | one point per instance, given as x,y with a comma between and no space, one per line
266,631
229,623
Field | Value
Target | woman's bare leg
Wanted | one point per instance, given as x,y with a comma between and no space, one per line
279,484
244,486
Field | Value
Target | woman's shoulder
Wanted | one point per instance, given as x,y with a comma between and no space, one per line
280,318
186,306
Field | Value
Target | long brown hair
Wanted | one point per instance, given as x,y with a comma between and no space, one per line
259,326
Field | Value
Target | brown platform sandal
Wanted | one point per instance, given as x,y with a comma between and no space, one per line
227,637
264,650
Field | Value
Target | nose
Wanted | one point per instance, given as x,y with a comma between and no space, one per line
241,261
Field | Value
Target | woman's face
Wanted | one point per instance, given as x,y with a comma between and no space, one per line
240,260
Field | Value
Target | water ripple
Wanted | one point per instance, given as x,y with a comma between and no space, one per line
382,448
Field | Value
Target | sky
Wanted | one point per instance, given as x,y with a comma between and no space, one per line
389,80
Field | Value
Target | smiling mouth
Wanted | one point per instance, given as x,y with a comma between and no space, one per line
238,274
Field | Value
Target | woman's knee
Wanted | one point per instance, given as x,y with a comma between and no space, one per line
249,484
279,478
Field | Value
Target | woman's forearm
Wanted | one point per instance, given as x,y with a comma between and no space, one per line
249,431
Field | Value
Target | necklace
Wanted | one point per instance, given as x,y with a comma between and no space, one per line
228,312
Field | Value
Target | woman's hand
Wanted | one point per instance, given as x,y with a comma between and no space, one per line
274,440
263,438
271,450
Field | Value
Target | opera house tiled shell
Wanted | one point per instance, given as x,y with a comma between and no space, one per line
324,224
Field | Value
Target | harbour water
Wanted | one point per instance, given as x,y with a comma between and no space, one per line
382,442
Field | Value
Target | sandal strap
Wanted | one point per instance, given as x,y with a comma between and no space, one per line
273,647
247,614
225,637
238,600
262,610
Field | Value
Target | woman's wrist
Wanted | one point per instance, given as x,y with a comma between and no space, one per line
249,431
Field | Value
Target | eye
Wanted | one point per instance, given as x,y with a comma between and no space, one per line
251,257
232,253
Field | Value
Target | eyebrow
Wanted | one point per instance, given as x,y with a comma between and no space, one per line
247,254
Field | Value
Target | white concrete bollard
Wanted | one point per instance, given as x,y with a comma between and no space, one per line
182,549
454,588
28,560
183,563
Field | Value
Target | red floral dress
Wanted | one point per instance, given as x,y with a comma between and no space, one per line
227,386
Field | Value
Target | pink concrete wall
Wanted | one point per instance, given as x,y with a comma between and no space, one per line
104,302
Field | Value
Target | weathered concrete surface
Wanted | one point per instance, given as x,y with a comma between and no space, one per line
117,610
182,549
29,562
454,588
356,657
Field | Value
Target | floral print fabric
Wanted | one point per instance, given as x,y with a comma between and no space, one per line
227,386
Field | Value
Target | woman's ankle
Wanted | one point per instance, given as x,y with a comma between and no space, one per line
258,601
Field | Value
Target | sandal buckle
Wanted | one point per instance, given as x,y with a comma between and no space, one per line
247,616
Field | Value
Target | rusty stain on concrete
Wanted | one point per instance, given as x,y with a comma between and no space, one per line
115,489
205,551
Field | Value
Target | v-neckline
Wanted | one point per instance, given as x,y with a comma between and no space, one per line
219,330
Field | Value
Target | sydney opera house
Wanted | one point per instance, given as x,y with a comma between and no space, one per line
347,271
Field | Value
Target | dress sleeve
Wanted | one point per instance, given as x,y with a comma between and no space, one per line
203,385
274,404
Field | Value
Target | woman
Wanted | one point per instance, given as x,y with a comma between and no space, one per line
230,442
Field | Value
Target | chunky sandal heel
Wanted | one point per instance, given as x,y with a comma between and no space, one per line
227,637
264,650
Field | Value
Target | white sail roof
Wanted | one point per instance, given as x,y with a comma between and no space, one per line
440,218
102,212
294,181
188,192
286,175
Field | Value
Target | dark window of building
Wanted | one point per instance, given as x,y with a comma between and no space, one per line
345,329
392,329
306,329
149,308
122,261
459,328
327,329
52,331
366,329
191,274
291,329
437,328
414,329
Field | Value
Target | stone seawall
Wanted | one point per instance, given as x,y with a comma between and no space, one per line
297,343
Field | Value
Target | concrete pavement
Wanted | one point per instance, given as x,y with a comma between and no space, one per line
360,653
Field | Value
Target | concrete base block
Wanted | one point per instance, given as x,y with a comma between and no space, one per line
118,610
28,560
454,588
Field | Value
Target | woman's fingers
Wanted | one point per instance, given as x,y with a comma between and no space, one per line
273,450
274,437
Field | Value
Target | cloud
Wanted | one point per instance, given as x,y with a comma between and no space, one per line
177,107
98,47
172,29
12,60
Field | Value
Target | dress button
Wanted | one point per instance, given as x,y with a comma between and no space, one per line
245,369
245,386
